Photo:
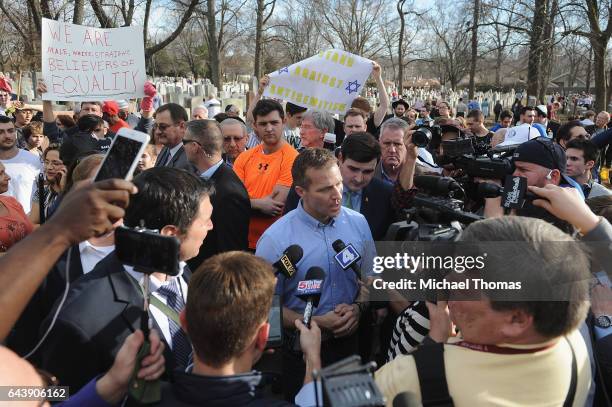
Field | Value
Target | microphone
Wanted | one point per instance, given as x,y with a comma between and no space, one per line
406,399
347,256
435,184
286,264
309,290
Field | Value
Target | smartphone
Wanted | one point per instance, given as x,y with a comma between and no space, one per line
275,318
147,251
123,155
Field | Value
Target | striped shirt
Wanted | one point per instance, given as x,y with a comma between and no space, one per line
411,328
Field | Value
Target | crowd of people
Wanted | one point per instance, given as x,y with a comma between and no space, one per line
238,191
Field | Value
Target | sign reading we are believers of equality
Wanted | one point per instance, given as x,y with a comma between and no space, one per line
327,81
87,64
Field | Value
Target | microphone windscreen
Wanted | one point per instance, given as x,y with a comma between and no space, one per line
338,245
315,273
406,399
294,253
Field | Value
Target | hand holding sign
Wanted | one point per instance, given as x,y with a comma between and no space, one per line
328,81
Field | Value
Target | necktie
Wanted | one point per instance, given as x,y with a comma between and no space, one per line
165,153
181,347
349,200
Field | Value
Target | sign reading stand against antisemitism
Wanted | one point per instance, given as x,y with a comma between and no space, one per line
327,81
87,63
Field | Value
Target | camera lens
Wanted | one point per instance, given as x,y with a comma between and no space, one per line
421,137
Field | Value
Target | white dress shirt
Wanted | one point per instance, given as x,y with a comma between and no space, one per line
91,254
154,285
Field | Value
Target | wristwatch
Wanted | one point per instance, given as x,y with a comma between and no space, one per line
603,321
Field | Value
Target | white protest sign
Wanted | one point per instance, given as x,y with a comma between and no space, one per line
519,134
328,81
86,63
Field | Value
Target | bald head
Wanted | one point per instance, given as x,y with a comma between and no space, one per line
15,371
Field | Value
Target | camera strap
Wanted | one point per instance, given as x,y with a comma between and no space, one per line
429,360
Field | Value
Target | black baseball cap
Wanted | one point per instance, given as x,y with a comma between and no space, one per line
541,152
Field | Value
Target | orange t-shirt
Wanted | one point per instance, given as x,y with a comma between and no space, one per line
14,225
260,173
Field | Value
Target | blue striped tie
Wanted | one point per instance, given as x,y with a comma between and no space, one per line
181,347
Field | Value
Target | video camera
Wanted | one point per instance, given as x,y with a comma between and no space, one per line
424,134
437,213
348,383
476,160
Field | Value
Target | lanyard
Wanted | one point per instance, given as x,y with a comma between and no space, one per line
157,303
499,349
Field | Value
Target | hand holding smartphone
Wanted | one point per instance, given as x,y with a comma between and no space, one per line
123,155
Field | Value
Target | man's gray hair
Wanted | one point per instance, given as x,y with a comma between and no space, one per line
394,124
208,134
321,120
233,122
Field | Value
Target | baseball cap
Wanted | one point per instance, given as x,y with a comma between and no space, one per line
541,152
544,152
110,107
519,135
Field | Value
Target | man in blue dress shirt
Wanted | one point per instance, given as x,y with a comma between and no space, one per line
318,221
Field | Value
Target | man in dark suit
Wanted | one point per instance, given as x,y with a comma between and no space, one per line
363,193
169,129
203,144
104,306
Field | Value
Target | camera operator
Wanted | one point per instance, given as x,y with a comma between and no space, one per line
317,222
541,162
105,306
505,345
230,296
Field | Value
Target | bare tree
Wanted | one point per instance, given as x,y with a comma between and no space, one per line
450,46
596,13
264,12
474,49
352,25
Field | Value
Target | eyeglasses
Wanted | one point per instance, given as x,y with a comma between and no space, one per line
53,163
162,126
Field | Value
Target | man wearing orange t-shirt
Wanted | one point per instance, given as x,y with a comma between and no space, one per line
265,170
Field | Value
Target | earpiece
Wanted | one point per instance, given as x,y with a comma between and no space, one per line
549,176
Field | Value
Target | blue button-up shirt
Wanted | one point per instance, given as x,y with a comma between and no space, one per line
298,227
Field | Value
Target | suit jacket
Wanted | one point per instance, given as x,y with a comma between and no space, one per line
375,206
101,310
25,334
230,217
179,160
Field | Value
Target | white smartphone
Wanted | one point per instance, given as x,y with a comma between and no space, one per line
123,155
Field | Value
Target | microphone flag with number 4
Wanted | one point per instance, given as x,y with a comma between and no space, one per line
327,81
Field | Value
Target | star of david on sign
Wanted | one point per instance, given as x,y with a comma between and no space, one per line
285,69
352,87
